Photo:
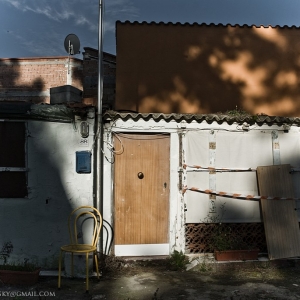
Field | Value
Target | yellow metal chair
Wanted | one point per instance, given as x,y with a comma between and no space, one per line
81,243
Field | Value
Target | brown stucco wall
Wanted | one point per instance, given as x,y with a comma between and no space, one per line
184,68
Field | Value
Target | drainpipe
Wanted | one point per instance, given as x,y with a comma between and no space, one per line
99,170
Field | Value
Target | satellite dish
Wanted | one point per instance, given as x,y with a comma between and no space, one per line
72,44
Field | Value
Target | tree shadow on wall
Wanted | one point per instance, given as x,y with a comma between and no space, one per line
18,86
208,69
36,225
30,81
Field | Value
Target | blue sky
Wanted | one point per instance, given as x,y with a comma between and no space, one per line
39,27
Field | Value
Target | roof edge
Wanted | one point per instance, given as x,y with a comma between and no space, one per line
204,24
209,118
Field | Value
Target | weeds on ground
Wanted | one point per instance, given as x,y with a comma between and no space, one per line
5,252
204,266
178,260
111,263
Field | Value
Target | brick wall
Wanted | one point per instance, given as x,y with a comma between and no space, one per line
90,75
30,79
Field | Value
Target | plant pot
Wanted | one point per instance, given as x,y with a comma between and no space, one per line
228,255
19,277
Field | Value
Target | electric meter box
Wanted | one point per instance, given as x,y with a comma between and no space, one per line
83,162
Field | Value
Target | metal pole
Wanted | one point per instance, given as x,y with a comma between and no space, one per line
99,165
99,113
100,56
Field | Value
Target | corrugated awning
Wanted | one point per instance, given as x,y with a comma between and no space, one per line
209,118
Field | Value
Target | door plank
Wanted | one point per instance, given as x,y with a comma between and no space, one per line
279,216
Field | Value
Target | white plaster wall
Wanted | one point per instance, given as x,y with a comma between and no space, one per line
37,226
235,149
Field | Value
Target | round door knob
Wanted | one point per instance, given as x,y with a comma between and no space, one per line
140,175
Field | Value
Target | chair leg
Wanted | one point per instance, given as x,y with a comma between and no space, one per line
59,269
87,271
96,263
72,264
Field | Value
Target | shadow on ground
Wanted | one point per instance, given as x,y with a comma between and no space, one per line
155,280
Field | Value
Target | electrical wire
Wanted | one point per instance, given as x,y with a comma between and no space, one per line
156,136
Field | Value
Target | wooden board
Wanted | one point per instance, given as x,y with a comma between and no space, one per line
142,203
279,216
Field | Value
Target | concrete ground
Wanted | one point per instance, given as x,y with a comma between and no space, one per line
157,279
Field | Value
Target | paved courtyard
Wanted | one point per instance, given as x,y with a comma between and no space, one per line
144,279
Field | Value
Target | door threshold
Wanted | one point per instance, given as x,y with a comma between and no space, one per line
143,258
140,250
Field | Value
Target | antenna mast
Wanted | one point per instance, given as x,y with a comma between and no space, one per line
72,46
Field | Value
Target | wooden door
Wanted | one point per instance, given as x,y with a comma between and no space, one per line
141,190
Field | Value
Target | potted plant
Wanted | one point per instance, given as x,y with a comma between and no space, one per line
23,273
225,242
228,245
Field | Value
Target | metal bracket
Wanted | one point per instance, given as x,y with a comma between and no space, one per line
212,145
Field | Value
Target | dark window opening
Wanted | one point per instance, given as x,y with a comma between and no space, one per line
13,177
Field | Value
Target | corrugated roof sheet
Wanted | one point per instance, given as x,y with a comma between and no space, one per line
202,24
209,118
43,111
